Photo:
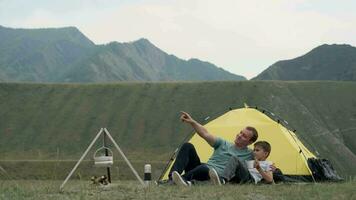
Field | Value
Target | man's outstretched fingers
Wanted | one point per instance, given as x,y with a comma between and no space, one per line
185,117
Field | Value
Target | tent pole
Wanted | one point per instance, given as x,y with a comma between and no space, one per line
169,163
305,158
174,154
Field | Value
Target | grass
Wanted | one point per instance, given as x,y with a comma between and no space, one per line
58,170
46,122
58,121
132,190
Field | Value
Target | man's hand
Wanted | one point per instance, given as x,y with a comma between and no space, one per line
201,131
185,117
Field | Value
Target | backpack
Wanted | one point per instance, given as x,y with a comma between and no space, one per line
322,170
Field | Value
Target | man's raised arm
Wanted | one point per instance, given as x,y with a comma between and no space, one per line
202,132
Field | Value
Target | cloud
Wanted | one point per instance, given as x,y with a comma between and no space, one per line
242,36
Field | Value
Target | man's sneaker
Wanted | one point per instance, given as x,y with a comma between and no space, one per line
178,180
214,177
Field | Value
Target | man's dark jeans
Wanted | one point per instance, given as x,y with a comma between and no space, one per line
236,171
188,161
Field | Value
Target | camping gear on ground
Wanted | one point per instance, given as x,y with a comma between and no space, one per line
101,180
288,152
106,160
323,170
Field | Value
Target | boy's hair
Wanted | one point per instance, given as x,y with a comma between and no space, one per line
264,145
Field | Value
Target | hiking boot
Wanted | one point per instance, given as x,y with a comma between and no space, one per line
178,180
214,177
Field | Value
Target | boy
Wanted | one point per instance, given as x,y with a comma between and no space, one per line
237,171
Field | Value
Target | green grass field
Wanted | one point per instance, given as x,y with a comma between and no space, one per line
58,121
44,128
58,170
133,190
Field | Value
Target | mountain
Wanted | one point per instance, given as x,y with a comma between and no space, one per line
39,55
326,62
58,121
141,61
66,55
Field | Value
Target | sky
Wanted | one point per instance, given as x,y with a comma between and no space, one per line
241,36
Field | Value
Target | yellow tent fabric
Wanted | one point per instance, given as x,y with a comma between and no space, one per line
288,153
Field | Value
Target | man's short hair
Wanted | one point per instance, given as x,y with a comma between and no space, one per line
254,133
264,145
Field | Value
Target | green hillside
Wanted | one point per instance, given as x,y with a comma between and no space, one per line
40,55
326,62
39,121
66,55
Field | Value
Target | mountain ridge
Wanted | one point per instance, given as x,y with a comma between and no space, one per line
67,55
325,62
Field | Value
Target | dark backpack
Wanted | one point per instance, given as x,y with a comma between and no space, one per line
323,170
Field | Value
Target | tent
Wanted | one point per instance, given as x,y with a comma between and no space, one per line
288,152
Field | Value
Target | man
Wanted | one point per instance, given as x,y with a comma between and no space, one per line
257,170
188,161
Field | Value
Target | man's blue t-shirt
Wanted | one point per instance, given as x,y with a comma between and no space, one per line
223,151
